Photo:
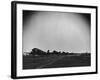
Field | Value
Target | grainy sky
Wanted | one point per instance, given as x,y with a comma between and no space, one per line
61,31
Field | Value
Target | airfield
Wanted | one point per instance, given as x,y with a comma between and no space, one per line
56,61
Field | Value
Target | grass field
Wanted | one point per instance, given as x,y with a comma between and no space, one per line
55,61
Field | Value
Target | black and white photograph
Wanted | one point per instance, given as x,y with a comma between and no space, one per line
53,39
56,39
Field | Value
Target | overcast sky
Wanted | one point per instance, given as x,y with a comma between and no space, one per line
56,31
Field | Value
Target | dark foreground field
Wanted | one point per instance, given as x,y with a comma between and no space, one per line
55,61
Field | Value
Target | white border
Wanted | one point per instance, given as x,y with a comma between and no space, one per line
36,72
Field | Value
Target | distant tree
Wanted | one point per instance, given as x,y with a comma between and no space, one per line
48,52
63,52
55,52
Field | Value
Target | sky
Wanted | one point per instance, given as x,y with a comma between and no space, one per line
60,31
